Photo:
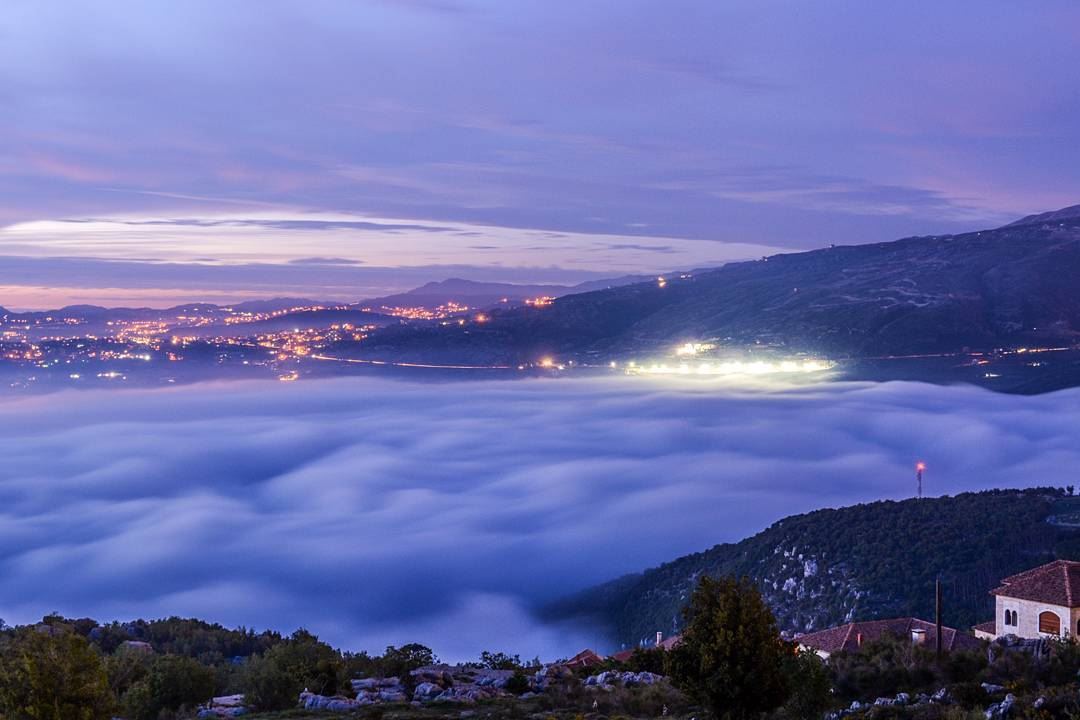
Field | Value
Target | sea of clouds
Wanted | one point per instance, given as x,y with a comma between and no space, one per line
375,511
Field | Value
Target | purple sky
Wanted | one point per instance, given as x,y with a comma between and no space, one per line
514,140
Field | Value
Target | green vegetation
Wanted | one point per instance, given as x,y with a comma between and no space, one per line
731,657
867,561
50,673
77,669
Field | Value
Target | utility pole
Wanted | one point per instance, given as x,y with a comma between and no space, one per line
919,467
937,614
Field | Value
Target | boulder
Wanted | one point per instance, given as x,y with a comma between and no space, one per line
427,691
393,695
312,701
942,697
992,689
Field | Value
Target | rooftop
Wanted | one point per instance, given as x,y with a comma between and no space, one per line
1056,583
850,636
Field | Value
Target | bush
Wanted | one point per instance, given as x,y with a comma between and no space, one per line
50,673
171,683
499,661
518,683
652,660
810,685
274,680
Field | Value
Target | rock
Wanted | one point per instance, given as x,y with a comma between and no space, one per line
942,697
1039,702
311,701
434,674
856,706
902,699
992,689
884,702
427,691
1001,709
393,695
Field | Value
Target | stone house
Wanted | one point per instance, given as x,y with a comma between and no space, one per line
1037,603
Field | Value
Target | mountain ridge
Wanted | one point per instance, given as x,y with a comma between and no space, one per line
938,293
861,562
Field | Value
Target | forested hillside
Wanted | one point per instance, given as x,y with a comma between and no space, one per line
867,561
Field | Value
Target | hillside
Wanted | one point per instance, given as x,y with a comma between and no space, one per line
477,294
863,562
992,288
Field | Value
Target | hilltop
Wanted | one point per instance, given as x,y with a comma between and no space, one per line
868,561
1008,286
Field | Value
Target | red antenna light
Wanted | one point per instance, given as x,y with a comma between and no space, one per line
919,467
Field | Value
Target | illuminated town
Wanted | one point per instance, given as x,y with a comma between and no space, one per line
290,342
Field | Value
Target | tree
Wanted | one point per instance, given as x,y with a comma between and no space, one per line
50,673
499,660
171,683
399,662
810,684
274,680
645,659
731,655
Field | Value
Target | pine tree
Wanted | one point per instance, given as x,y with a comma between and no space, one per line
731,656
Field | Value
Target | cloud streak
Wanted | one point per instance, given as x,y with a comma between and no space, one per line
376,511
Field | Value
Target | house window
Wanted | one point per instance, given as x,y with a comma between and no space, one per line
1049,623
1015,620
1010,618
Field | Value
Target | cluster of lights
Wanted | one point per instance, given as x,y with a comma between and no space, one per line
423,313
730,367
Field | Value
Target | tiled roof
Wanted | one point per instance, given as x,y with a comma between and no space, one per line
585,658
847,637
990,626
1056,583
671,643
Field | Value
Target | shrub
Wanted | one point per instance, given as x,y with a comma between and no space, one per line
274,680
518,683
49,673
171,683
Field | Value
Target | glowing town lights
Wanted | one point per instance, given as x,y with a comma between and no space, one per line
547,362
660,281
289,376
692,348
731,367
481,318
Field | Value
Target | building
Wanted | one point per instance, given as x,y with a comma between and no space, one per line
1037,603
852,636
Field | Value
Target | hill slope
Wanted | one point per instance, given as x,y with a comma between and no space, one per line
867,561
1011,285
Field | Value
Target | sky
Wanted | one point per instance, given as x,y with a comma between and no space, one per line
153,151
379,512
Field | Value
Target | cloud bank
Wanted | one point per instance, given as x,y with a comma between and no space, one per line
376,512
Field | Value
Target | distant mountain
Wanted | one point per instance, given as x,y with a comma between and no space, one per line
487,294
863,562
275,304
1012,285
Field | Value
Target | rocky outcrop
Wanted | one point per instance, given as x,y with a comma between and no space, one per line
611,679
225,706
